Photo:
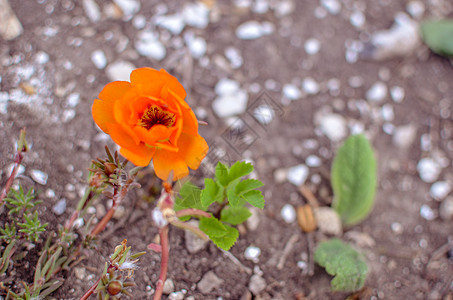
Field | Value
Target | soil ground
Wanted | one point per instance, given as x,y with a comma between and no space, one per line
398,242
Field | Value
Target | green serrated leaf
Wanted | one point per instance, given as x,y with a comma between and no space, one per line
188,197
235,215
234,199
342,261
255,198
227,241
354,180
438,36
212,192
239,169
212,227
248,185
221,174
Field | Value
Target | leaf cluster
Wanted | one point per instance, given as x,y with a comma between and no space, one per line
22,205
342,261
229,191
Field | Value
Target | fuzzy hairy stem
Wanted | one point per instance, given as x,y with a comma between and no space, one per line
163,233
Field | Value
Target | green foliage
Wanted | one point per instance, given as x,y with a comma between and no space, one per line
18,201
8,233
230,192
32,226
438,36
354,180
342,261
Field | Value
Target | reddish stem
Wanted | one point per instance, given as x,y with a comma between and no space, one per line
192,212
10,180
163,233
91,290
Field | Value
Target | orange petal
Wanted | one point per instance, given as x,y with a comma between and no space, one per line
173,84
190,125
102,109
140,158
165,161
122,137
150,82
193,149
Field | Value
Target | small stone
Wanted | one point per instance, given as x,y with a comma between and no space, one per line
231,104
148,45
60,207
209,282
73,99
10,26
257,284
280,175
312,46
196,14
288,213
50,193
440,189
377,92
128,7
80,273
173,23
291,92
333,126
120,71
446,209
252,253
397,228
98,58
332,6
92,10
193,243
313,161
177,296
328,220
428,169
20,170
226,86
119,213
264,114
284,8
254,220
197,46
169,286
260,7
139,22
397,94
404,136
41,57
387,113
357,19
310,86
361,239
251,30
39,176
297,174
234,57
416,9
427,213
68,115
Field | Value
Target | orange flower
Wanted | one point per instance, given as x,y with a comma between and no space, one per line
149,119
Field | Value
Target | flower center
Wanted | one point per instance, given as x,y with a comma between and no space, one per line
155,115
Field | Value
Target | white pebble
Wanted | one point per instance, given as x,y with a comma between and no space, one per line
252,253
397,94
446,209
312,46
291,92
226,86
298,174
251,30
50,193
357,19
73,99
41,57
284,8
128,7
68,115
196,15
288,213
280,175
313,161
148,45
427,213
60,207
139,22
234,57
120,71
260,7
197,47
416,9
257,284
92,10
20,169
310,86
264,114
333,126
173,23
440,189
332,6
377,92
230,104
39,176
404,136
98,58
387,112
397,228
428,169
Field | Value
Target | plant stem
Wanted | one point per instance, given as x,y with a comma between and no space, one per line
163,233
91,290
10,180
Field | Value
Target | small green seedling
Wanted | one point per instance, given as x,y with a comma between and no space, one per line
229,192
438,36
354,180
342,261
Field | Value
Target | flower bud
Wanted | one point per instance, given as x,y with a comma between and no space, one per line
115,287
